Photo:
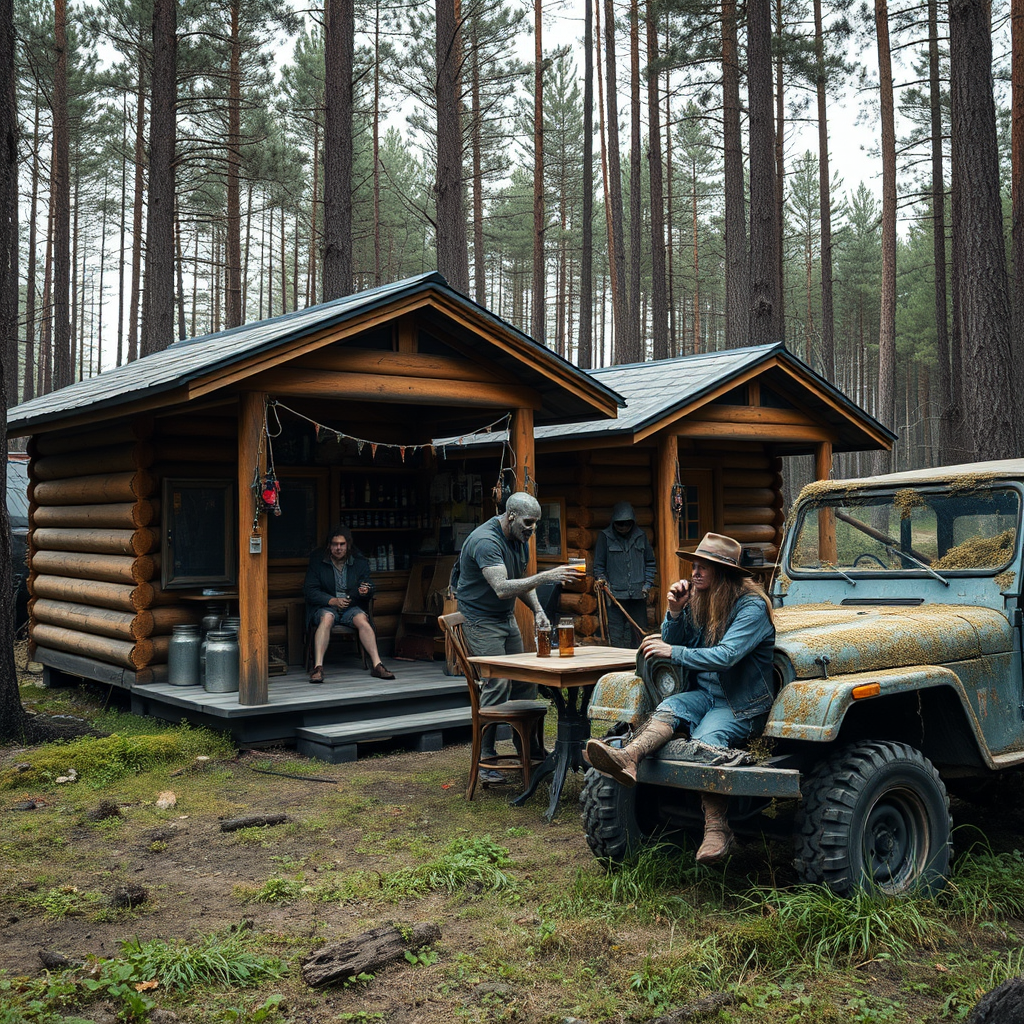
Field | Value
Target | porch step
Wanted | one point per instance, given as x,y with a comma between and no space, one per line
338,743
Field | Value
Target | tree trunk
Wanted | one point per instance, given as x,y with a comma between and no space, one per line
659,300
764,270
376,152
633,348
737,281
942,389
366,953
620,302
780,168
886,409
451,240
28,390
60,204
585,349
140,159
1017,181
538,309
985,317
233,160
158,316
828,344
12,714
339,48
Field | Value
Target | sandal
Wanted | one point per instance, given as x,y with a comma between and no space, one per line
317,675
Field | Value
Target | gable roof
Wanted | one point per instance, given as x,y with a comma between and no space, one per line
566,392
664,390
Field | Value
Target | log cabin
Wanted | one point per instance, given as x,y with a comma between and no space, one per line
714,428
145,480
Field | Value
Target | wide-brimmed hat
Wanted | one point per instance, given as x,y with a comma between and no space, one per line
719,550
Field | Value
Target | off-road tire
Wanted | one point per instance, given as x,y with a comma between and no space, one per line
610,822
874,816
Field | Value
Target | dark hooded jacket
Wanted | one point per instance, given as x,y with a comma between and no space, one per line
626,563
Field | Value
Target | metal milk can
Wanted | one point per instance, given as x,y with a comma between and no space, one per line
183,655
221,662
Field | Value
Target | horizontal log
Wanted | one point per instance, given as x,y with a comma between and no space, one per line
161,646
741,514
750,534
133,655
285,584
128,515
105,568
703,428
751,478
166,618
277,635
758,414
119,596
402,364
764,496
84,668
392,389
580,538
116,459
577,604
193,449
386,625
99,621
95,490
618,476
608,497
586,625
627,456
195,425
96,541
599,518
388,602
60,442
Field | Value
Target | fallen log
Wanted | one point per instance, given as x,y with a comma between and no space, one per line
252,821
366,953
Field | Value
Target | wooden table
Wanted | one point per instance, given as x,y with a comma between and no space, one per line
570,682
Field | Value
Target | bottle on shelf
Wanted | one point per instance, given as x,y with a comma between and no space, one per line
391,557
366,492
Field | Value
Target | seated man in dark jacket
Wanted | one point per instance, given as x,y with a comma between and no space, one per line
338,589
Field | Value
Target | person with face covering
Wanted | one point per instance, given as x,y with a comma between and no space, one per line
489,582
624,563
719,627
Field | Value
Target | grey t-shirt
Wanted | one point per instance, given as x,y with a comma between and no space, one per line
340,580
485,547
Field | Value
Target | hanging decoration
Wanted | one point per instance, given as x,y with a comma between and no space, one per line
360,442
678,497
266,487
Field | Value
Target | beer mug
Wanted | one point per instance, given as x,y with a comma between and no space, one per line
566,637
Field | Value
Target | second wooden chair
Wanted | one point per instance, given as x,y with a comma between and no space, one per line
524,717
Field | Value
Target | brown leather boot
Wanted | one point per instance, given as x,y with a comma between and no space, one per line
718,838
620,763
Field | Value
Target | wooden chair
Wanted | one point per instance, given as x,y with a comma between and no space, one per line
339,632
524,717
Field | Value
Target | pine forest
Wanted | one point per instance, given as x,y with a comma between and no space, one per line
623,181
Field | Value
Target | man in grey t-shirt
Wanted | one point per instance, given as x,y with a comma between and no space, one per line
491,564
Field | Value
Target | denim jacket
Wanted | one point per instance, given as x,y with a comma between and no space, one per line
626,563
742,659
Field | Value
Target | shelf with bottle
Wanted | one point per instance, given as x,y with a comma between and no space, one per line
360,493
385,519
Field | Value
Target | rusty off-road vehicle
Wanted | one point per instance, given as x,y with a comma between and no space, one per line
899,675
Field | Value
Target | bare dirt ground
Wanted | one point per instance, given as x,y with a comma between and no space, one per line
539,953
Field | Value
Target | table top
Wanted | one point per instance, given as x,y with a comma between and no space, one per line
584,668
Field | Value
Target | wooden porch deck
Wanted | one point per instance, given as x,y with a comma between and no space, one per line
328,720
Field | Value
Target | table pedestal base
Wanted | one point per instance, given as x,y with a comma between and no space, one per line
573,733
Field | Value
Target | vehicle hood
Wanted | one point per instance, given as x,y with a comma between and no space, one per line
858,639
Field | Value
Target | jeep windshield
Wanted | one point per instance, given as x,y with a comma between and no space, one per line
921,531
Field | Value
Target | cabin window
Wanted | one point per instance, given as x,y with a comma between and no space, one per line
199,547
302,524
689,517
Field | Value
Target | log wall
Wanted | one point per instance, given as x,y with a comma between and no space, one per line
94,548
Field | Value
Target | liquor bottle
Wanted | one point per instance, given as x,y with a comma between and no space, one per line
366,493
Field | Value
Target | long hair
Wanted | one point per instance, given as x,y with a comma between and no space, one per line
712,609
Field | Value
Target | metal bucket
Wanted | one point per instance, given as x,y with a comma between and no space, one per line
221,662
183,656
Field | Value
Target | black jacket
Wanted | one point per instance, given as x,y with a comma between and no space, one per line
319,586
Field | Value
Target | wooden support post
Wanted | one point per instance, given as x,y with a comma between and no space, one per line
520,436
252,567
666,528
826,518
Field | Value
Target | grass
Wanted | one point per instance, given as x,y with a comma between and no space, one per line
533,927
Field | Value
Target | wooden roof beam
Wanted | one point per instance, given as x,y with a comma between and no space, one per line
398,364
396,389
784,432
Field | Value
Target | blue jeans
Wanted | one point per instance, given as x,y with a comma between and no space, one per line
497,636
710,719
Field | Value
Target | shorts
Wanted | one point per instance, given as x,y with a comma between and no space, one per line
342,616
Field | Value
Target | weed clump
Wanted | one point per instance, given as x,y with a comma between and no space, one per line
100,761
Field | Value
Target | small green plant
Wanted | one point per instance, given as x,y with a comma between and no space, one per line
986,885
868,1009
421,957
273,890
255,1014
65,901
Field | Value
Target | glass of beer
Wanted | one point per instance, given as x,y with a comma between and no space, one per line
566,637
544,643
578,565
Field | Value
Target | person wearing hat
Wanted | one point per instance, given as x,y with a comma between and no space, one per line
719,627
624,564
